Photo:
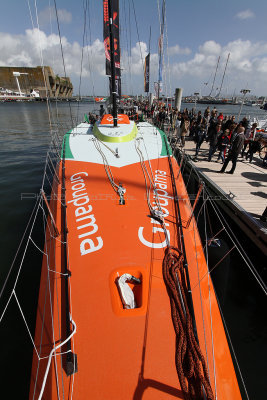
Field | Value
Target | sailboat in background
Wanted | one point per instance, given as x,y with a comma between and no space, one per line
216,99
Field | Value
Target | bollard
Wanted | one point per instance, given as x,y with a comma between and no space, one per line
178,98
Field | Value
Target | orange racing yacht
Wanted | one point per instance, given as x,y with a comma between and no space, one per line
126,308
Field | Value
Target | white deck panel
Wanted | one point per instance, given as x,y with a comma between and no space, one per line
81,143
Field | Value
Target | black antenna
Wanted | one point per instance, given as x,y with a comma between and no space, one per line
112,62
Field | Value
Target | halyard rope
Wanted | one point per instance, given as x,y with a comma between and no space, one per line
190,363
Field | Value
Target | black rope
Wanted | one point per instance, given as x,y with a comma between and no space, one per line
180,235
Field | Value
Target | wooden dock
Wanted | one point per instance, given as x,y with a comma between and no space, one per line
242,195
247,186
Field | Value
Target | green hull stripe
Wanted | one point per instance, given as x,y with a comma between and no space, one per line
164,150
66,141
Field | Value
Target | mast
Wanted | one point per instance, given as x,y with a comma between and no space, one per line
224,73
215,75
112,64
161,39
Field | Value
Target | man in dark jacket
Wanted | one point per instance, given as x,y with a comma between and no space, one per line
235,149
213,137
200,136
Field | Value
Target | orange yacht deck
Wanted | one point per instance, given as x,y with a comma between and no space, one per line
121,353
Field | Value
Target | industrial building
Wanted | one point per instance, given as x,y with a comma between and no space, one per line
25,80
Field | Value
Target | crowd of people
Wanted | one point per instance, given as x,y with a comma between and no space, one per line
227,137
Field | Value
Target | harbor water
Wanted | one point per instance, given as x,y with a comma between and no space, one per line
24,141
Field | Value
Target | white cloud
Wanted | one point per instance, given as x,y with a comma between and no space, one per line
178,50
246,14
247,60
210,47
48,14
24,50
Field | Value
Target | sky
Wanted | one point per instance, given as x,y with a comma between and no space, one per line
196,34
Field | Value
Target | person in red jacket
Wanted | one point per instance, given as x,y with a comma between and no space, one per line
220,117
223,143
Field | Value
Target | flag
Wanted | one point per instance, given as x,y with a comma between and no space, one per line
117,86
115,35
146,74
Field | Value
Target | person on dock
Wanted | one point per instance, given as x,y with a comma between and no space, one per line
101,111
200,136
254,146
223,144
220,117
213,136
207,112
185,129
230,121
214,112
199,118
177,126
234,151
249,137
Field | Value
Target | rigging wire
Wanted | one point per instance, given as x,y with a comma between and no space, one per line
81,68
156,212
141,54
232,347
87,48
62,55
221,313
168,56
41,61
127,43
53,57
238,245
233,237
201,298
130,54
106,165
211,325
51,302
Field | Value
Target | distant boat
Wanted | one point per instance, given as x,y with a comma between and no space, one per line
101,99
213,100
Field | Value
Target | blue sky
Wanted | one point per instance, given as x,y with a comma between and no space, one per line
197,33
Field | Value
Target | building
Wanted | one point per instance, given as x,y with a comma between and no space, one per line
41,79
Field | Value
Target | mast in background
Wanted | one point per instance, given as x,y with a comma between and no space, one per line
215,75
161,40
224,74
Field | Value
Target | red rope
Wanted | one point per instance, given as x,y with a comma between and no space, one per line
190,363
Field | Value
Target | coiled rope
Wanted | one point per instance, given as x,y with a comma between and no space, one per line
190,363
